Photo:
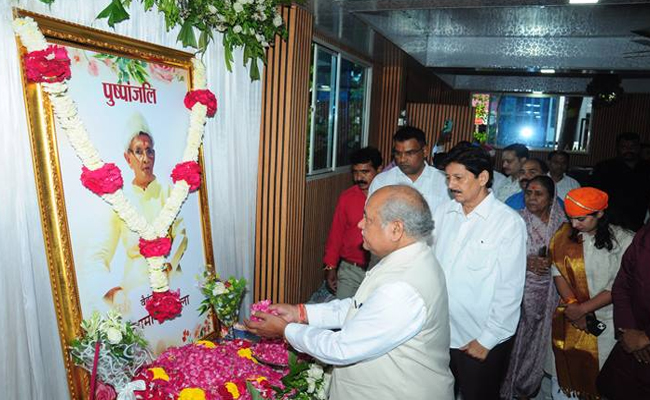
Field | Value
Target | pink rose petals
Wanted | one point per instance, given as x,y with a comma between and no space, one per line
262,306
198,366
271,351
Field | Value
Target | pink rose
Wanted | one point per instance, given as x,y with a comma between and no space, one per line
104,180
203,96
104,391
162,72
158,247
190,172
164,305
49,65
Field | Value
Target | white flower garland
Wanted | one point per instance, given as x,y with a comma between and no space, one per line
66,114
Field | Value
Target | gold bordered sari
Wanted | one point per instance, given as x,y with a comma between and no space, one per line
576,351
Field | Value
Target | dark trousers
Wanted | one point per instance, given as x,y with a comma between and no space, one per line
480,380
623,377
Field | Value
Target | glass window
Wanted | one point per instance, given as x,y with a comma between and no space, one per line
538,121
337,121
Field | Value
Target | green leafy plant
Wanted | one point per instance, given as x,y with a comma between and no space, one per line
306,380
249,24
224,296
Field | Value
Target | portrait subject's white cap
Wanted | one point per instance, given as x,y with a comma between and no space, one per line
134,126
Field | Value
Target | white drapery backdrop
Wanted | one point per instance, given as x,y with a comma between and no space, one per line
32,366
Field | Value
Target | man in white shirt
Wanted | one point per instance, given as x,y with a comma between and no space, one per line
409,149
513,157
558,164
393,341
481,245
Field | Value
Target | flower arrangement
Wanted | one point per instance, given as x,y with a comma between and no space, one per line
230,370
121,346
250,24
206,370
224,296
50,66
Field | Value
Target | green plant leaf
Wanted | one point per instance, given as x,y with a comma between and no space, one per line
115,12
186,35
255,394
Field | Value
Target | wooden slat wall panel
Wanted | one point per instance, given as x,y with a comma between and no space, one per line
431,117
281,181
320,201
387,95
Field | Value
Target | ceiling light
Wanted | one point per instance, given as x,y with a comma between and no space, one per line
537,92
547,71
583,1
526,132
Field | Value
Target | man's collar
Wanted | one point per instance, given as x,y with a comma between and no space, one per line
482,210
425,172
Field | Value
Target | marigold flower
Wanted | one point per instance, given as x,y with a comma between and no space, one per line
191,394
159,373
206,343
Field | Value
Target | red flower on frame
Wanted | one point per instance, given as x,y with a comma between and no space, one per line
203,96
190,172
159,247
164,306
49,65
104,180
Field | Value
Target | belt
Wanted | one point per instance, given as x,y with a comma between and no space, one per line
362,266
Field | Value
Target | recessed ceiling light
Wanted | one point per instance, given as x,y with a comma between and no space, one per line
547,71
583,1
537,92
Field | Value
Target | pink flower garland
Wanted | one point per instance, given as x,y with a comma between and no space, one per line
159,247
203,96
164,305
49,65
190,172
104,180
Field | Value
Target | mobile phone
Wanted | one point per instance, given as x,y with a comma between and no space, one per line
594,326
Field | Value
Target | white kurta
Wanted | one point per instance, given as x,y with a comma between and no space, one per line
601,267
431,184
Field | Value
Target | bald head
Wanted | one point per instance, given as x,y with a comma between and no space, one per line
405,204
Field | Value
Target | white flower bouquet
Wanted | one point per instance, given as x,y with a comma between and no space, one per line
122,348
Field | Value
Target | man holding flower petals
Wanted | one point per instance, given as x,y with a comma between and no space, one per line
393,341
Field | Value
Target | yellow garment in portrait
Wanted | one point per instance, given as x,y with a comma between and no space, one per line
123,291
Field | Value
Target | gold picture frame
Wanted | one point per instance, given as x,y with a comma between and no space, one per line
49,177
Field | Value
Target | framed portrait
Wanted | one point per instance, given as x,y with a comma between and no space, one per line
121,87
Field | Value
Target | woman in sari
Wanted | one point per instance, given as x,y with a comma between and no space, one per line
543,216
586,257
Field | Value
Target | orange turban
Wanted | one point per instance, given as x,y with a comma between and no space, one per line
584,201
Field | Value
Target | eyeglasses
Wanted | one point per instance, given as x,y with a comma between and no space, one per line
140,154
407,153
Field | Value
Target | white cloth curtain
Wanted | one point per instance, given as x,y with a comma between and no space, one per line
32,366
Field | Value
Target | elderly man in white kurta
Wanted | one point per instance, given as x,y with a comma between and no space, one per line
393,341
